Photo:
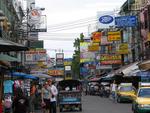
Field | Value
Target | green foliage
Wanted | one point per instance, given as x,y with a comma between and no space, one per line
76,56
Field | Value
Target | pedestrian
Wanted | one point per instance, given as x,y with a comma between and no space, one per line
113,90
32,97
45,96
54,93
20,103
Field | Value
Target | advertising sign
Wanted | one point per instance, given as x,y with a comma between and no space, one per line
94,47
84,46
104,40
87,56
59,55
106,19
126,21
36,55
111,62
110,57
114,36
96,37
56,72
40,26
67,68
123,49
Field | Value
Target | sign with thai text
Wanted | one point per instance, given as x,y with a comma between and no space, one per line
114,36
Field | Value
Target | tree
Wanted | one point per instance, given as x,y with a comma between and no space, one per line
76,57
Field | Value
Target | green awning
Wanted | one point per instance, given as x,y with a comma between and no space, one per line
4,57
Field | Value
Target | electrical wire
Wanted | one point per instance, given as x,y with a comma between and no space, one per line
80,20
72,24
70,27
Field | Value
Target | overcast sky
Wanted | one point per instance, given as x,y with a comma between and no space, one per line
66,11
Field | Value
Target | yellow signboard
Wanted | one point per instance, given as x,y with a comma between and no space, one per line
67,63
114,36
123,49
94,47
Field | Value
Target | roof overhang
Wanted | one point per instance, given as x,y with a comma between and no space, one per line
6,46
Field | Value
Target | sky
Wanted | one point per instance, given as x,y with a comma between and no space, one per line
74,15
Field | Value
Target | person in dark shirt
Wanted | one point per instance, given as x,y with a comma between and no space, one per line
20,103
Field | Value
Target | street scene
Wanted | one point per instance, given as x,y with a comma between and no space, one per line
66,56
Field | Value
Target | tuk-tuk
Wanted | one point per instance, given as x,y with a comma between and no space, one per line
69,95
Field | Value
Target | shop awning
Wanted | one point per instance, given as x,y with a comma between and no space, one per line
23,75
4,57
130,68
7,45
145,65
41,75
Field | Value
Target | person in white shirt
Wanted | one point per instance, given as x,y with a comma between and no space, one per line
53,99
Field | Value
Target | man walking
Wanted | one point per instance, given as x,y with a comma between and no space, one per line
54,93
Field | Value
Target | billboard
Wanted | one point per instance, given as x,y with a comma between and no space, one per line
37,22
126,21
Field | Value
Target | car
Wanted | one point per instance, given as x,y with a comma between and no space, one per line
125,93
141,103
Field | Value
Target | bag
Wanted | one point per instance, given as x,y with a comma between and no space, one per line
43,104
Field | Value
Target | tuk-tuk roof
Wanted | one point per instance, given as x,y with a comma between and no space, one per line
69,83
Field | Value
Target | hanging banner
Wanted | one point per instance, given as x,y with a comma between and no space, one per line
114,36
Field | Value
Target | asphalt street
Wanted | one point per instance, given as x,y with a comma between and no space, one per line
95,104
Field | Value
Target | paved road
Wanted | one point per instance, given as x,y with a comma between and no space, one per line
95,104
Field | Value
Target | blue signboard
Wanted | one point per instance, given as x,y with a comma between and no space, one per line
106,19
126,21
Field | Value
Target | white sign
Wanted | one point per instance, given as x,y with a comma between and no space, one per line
105,19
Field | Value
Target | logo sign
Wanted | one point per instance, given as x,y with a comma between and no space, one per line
106,19
126,21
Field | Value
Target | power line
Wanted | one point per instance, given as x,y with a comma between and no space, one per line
71,27
71,24
56,39
85,19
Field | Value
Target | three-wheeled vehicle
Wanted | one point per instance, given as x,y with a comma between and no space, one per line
69,96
